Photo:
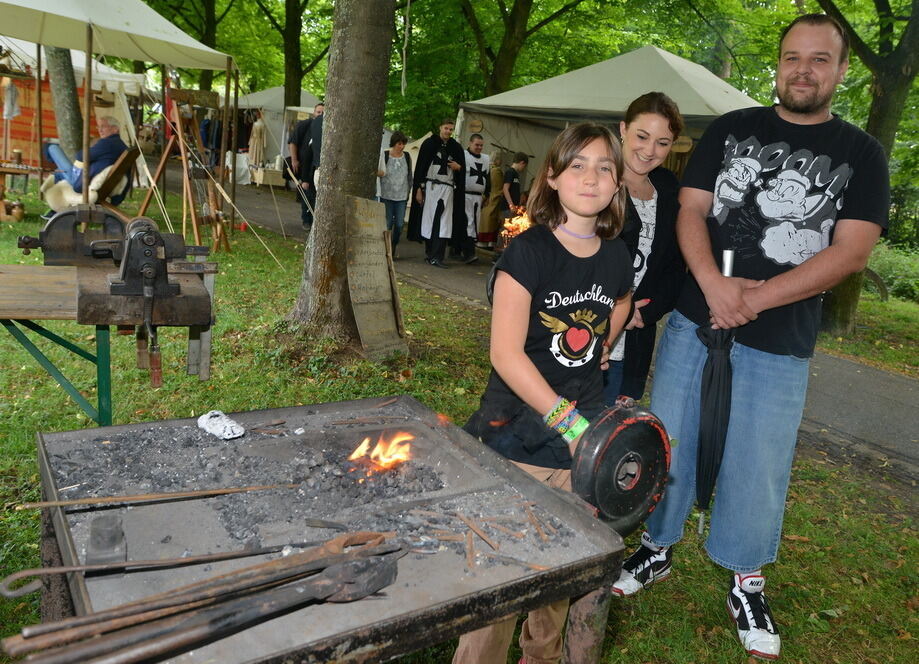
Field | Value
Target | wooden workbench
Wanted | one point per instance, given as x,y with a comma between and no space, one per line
38,292
30,293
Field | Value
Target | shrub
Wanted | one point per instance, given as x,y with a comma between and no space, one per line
899,268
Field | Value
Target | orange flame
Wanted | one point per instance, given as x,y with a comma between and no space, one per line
516,225
385,454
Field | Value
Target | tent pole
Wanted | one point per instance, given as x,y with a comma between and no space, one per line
87,109
226,124
167,145
235,120
40,138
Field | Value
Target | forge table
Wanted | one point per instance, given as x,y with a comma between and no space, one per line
436,596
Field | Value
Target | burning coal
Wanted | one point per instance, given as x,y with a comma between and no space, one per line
386,454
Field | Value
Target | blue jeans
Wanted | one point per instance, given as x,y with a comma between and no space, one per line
65,171
395,218
767,402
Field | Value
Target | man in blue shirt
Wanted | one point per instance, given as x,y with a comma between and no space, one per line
102,154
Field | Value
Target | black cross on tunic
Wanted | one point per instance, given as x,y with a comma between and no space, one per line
478,172
440,158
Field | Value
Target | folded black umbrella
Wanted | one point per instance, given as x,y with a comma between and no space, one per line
714,400
714,409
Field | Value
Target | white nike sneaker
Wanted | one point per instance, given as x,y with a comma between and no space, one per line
748,607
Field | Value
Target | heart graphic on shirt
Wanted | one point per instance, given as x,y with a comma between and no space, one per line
576,338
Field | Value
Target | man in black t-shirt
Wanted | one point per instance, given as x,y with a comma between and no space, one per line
801,197
511,198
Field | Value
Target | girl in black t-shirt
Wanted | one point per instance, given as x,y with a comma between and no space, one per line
562,289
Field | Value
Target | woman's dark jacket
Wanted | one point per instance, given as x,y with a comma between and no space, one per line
662,281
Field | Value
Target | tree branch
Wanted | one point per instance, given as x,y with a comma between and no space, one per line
554,15
307,68
271,18
178,9
486,55
720,37
871,60
226,11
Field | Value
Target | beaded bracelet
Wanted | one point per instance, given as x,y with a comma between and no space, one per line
561,408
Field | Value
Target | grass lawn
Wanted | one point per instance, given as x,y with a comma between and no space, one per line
844,590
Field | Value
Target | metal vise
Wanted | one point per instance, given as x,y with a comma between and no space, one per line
143,254
64,243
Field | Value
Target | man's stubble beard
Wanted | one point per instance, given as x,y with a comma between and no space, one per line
807,105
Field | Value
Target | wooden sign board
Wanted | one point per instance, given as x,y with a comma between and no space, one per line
371,280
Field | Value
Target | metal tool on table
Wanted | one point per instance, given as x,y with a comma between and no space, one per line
621,465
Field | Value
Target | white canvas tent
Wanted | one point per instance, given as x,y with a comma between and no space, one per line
103,78
276,116
126,28
527,119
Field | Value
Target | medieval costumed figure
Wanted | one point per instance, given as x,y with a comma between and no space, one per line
477,181
438,178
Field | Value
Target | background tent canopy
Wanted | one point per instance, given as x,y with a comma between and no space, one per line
272,99
529,118
123,28
104,77
603,91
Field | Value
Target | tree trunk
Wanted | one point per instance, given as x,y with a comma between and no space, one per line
355,93
515,35
889,90
840,305
67,112
208,38
293,66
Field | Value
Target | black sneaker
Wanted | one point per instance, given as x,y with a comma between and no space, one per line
748,607
648,564
436,262
47,215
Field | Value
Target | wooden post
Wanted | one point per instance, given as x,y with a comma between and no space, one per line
38,80
161,176
87,109
226,125
179,128
235,148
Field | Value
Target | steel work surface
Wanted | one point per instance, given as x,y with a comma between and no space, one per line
435,596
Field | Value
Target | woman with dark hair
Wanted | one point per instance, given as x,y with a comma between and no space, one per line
652,123
395,184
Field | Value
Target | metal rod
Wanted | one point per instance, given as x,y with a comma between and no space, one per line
216,589
150,497
133,566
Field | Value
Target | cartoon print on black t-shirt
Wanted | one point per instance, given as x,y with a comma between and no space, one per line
574,345
796,193
732,185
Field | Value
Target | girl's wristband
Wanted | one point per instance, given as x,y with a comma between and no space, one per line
557,412
576,429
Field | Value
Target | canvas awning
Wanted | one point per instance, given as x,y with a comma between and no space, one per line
123,28
103,78
603,91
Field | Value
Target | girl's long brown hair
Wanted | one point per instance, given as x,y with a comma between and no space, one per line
544,206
